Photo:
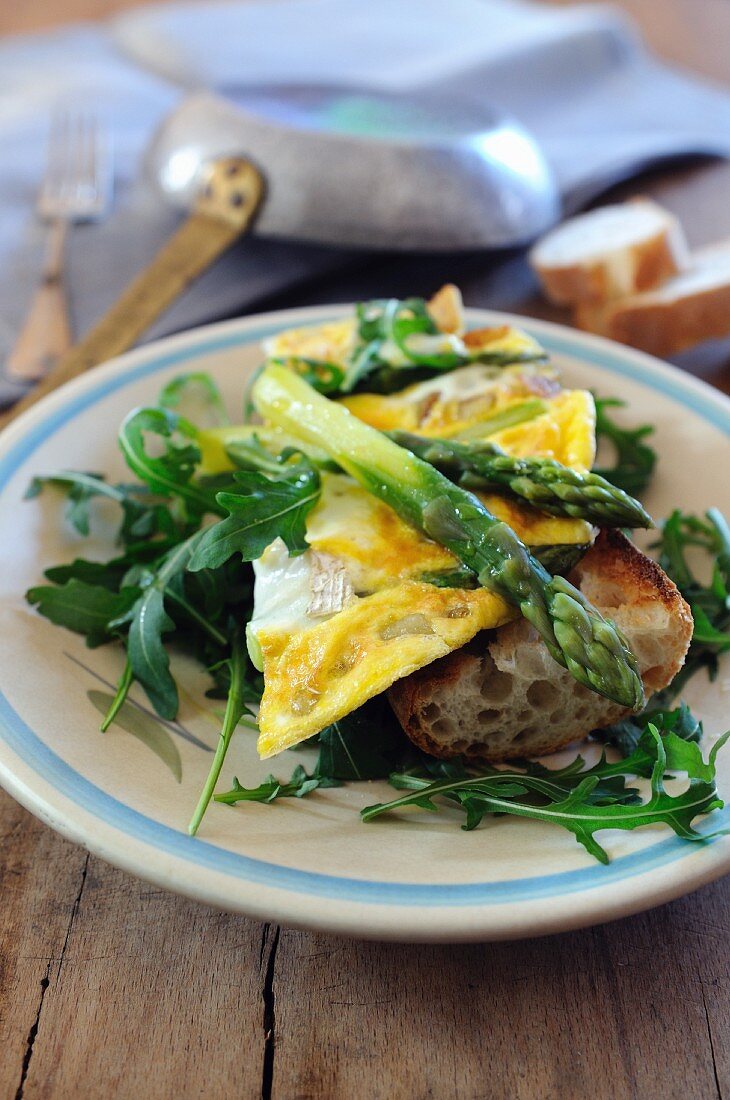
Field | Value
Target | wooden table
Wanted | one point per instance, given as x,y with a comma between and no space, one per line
112,988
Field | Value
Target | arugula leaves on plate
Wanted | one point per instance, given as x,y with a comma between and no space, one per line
577,800
299,785
705,541
626,734
263,507
366,744
89,609
180,581
634,458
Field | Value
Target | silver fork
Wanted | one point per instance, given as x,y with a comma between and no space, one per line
76,188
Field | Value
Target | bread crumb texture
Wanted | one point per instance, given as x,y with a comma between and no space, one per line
505,697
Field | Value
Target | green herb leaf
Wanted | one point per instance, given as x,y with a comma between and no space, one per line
708,539
88,609
400,343
635,459
324,377
272,788
142,516
626,734
543,798
235,710
171,473
187,390
105,574
365,744
148,622
267,508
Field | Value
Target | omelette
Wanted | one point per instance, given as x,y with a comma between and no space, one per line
372,600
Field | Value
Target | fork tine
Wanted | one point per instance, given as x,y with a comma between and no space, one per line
56,154
77,182
93,154
80,152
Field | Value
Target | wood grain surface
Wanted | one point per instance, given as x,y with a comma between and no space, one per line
112,988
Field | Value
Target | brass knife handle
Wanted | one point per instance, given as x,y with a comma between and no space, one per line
223,212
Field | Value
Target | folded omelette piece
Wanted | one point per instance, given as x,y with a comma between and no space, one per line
373,600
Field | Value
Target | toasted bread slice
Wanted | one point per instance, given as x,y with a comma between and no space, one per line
686,310
505,697
609,253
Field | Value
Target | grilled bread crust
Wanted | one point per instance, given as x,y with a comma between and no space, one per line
692,307
581,262
503,696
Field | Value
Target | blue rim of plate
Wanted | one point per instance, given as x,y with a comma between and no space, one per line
26,744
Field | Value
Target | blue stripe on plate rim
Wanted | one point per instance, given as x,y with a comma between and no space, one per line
34,752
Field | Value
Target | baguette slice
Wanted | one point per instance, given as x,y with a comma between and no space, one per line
610,252
508,698
690,308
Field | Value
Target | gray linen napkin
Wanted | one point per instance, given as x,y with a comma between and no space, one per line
578,78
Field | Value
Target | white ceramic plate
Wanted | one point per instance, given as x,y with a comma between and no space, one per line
127,795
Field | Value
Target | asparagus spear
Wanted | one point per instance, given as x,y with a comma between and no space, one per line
590,647
546,484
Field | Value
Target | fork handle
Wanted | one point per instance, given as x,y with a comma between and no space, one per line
198,242
46,332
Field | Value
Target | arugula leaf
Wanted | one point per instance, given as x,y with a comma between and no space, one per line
79,488
710,603
235,710
324,377
188,388
626,734
148,621
85,608
171,473
365,744
249,453
142,518
105,574
120,696
635,459
272,788
266,509
578,810
400,343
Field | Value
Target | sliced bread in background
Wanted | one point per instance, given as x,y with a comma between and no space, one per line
610,252
503,696
686,310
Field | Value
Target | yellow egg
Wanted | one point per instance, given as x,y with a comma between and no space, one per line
330,343
316,676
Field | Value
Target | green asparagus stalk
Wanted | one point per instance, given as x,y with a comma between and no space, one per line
577,636
542,482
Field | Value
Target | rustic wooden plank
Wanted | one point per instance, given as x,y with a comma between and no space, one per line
619,1011
691,33
153,995
37,15
40,876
